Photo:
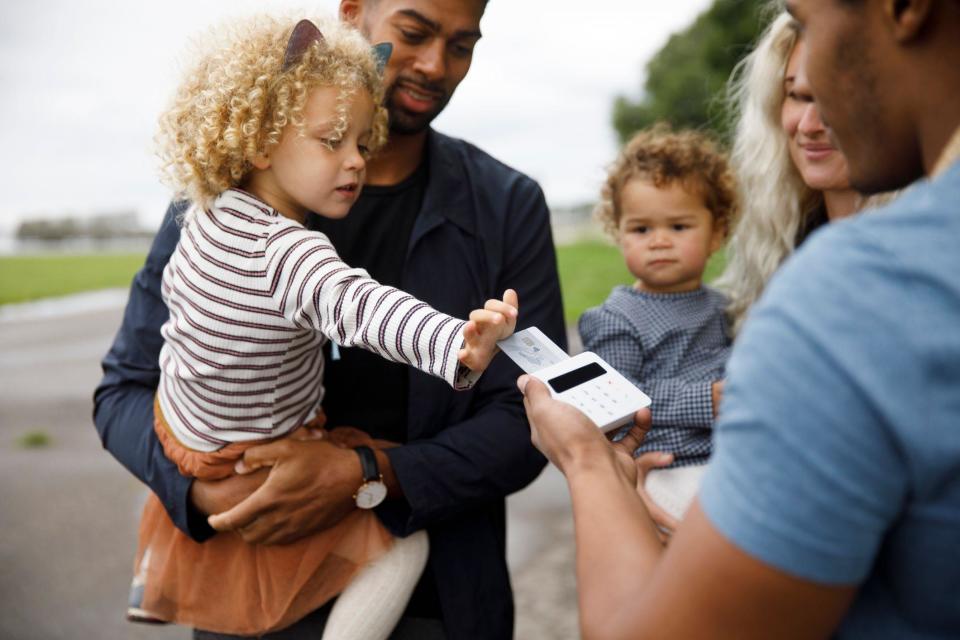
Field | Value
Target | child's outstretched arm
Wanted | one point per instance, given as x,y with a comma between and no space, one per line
318,291
496,321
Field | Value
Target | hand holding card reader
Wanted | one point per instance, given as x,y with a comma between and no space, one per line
585,381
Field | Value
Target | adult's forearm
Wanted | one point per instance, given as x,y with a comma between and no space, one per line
123,402
617,544
123,415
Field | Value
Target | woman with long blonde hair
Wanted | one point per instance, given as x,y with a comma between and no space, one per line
792,178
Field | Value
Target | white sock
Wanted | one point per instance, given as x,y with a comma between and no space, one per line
371,605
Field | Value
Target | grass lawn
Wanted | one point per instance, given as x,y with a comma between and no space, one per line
588,270
24,278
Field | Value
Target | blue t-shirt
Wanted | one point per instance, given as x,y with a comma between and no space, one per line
837,451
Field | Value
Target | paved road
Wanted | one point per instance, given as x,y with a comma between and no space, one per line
68,511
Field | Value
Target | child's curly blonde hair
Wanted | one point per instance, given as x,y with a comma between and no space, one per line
236,99
663,156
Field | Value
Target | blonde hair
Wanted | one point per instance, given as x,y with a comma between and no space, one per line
776,202
236,99
664,157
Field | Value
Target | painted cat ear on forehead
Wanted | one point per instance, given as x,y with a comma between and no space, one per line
382,53
305,33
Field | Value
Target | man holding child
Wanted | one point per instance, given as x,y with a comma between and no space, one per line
451,225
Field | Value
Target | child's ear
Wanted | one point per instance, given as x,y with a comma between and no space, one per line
719,235
261,160
350,11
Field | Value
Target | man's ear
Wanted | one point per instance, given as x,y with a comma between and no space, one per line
350,11
907,18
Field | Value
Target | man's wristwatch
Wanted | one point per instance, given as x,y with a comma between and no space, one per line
373,491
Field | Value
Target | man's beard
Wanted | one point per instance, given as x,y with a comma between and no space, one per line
405,122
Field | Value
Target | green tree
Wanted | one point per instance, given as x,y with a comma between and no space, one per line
686,78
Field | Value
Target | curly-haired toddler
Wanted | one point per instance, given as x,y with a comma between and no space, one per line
276,120
667,201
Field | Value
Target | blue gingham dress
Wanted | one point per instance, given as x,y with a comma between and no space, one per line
673,346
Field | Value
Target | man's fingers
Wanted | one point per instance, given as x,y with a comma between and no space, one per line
306,433
243,514
264,455
643,419
632,440
638,431
268,529
665,522
532,389
269,537
653,460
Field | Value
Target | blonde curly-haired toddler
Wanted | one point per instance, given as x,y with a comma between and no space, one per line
275,121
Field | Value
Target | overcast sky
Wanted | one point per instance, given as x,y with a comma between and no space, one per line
84,82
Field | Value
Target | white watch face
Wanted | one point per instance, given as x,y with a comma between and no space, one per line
371,494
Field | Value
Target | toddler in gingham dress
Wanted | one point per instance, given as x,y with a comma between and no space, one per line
668,201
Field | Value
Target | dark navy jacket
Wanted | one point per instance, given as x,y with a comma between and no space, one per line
482,228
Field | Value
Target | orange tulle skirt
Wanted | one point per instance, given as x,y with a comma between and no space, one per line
228,586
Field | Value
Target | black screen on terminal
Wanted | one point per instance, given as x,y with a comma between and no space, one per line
580,375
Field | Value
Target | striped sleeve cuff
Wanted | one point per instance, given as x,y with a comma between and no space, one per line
466,377
458,375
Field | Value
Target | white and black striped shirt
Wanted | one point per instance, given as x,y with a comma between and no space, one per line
252,297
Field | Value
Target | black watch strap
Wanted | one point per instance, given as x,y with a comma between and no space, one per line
368,463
